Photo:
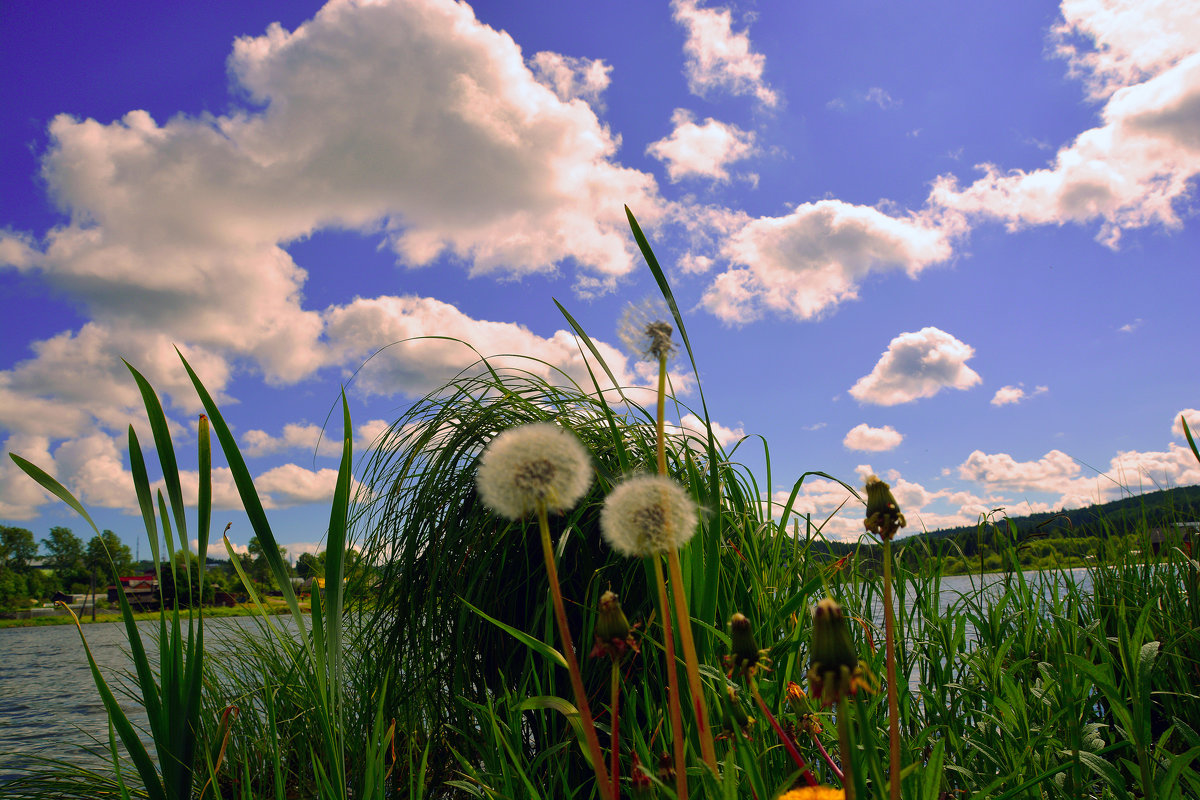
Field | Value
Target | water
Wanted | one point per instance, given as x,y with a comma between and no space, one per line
49,705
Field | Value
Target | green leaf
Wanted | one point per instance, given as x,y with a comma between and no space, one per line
524,638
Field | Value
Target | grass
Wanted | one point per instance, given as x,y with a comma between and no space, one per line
449,683
114,615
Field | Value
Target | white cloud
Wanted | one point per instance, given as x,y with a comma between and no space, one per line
20,496
1054,472
1129,41
325,441
174,233
811,260
1008,395
701,151
718,58
692,426
1134,169
292,485
864,437
415,365
1193,422
880,97
916,365
1058,473
1130,327
571,78
256,443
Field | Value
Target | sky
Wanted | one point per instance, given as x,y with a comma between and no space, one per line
953,244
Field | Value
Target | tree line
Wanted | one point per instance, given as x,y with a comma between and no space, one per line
32,572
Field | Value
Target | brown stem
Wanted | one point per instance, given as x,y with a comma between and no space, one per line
615,711
681,789
699,706
560,614
889,625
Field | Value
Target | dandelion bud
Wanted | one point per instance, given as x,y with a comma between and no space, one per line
833,663
648,515
745,656
883,513
533,463
613,634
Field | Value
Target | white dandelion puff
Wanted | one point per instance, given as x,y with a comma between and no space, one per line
645,331
532,463
647,515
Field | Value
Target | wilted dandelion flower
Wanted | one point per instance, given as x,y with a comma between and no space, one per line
532,463
646,331
647,515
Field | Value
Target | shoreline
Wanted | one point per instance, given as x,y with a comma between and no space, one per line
216,612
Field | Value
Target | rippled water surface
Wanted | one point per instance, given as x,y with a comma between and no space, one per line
49,706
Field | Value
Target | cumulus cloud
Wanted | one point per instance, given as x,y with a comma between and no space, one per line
717,57
570,77
864,437
1057,473
693,427
295,436
1010,395
1193,422
701,150
1139,164
916,365
175,232
1112,43
809,261
414,365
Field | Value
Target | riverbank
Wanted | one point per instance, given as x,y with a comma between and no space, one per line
106,616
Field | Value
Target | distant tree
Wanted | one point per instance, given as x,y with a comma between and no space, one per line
17,548
107,558
65,555
310,565
260,569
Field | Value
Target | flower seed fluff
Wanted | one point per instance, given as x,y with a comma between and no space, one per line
539,461
647,515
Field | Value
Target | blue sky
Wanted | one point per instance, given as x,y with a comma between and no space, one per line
953,244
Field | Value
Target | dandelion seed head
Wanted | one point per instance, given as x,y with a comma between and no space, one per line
645,331
531,463
646,515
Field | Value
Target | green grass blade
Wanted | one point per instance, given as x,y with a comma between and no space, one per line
524,638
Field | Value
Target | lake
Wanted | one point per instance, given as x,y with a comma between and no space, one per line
48,702
49,706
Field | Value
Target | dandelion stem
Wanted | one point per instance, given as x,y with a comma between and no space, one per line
828,759
889,623
699,706
660,424
682,616
615,711
681,789
805,772
843,725
560,614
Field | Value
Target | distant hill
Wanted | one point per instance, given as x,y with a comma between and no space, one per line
1117,517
